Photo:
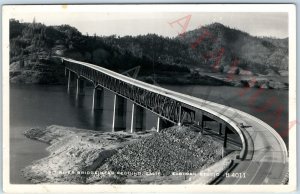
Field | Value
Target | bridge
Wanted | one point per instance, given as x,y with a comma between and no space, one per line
263,155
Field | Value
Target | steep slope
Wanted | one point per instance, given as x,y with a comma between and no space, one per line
33,44
255,54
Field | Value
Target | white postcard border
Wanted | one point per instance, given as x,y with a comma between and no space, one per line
32,188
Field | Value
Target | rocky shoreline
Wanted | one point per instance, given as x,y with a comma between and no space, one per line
259,81
50,71
80,156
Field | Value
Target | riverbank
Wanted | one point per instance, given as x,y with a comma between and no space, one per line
92,157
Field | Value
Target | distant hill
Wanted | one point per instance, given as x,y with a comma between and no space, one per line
256,54
33,44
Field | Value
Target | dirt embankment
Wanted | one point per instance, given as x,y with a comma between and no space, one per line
84,156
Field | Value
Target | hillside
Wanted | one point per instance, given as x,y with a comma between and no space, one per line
255,54
33,44
187,58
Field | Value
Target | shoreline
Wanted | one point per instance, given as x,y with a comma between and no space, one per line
23,152
261,82
72,151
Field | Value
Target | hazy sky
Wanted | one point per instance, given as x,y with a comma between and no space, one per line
255,23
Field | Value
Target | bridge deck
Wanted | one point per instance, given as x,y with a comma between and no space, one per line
266,153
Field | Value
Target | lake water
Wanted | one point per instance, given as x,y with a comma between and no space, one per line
41,106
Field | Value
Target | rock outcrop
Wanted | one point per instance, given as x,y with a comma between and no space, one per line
73,152
84,156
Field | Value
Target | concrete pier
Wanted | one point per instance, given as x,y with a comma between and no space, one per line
137,118
71,77
119,113
158,126
98,98
80,83
221,128
162,123
179,117
225,138
199,119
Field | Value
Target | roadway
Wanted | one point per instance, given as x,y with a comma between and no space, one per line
266,160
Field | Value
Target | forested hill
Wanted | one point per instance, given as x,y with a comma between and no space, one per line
33,44
256,54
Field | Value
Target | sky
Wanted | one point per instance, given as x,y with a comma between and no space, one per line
271,24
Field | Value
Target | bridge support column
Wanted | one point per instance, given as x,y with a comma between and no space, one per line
225,138
179,117
80,86
201,121
158,127
162,123
119,113
70,80
98,97
137,118
221,128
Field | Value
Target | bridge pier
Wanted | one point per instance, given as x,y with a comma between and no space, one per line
162,123
225,137
137,118
119,113
221,128
98,98
80,86
71,77
158,127
200,120
179,123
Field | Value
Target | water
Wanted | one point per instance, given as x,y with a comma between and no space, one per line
41,106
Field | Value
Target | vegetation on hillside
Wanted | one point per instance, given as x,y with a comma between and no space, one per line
213,48
255,54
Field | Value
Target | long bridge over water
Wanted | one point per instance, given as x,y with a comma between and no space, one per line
263,155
